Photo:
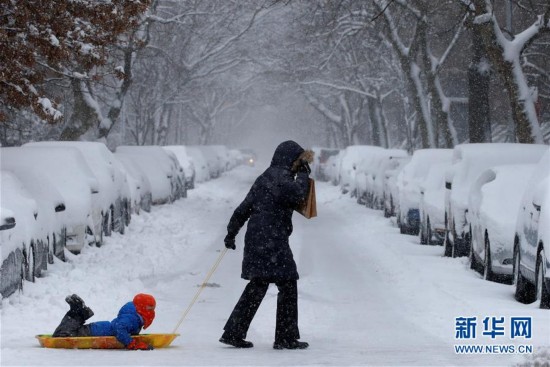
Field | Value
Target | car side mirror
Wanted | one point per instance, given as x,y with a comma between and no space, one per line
448,185
60,208
9,223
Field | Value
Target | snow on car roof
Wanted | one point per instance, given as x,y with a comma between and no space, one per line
469,160
423,159
65,168
102,163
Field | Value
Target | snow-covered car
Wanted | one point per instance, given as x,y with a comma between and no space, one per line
213,159
140,187
236,158
202,171
186,163
355,159
532,239
179,174
493,208
320,167
21,250
249,156
386,160
114,191
158,167
50,225
432,204
65,169
469,160
223,156
390,195
332,168
409,181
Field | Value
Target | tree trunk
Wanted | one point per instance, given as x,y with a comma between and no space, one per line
508,65
479,76
374,125
84,116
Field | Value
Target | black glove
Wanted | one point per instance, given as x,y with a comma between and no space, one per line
304,167
230,242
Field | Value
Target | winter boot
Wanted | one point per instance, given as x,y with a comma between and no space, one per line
79,310
290,344
236,342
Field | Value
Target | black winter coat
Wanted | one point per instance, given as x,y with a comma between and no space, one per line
268,207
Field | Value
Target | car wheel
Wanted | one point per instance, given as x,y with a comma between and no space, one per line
106,225
525,291
543,293
474,265
487,267
31,264
22,275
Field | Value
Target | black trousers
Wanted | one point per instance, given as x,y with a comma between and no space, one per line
253,294
71,325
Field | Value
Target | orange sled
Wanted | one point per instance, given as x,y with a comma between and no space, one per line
103,342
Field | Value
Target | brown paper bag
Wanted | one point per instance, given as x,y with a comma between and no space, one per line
309,207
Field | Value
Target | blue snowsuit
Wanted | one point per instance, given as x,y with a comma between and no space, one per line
127,323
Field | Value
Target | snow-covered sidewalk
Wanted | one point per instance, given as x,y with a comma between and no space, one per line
368,295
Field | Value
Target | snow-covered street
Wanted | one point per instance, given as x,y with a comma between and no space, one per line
367,294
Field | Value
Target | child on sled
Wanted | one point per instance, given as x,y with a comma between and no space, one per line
131,318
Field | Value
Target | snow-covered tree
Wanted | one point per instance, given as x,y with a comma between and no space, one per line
55,39
505,54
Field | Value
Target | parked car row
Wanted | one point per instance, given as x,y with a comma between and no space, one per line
68,195
489,202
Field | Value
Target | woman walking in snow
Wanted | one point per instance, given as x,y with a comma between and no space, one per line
268,207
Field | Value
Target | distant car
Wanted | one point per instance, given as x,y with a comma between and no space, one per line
202,170
321,155
493,207
114,192
332,168
19,247
65,169
322,163
179,174
409,181
353,161
186,163
140,187
469,160
432,204
532,239
386,160
215,162
249,156
390,195
159,168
